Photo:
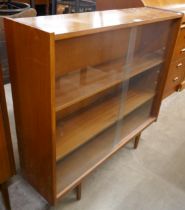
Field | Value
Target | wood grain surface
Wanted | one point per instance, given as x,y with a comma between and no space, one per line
80,24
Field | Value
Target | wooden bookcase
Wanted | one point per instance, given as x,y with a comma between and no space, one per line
83,86
176,76
7,166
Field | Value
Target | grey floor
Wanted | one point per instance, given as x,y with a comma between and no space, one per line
149,178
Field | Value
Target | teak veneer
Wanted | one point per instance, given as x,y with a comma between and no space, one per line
85,86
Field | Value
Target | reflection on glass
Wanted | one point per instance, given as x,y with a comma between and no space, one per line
104,99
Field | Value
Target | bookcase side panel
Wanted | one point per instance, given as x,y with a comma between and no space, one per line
31,60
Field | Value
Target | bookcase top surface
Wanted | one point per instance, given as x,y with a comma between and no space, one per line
71,25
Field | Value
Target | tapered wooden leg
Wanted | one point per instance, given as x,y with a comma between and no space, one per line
5,194
79,192
136,142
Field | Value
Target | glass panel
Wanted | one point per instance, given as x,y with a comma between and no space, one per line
85,159
141,88
88,90
105,88
88,94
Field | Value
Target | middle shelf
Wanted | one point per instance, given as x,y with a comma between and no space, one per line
78,86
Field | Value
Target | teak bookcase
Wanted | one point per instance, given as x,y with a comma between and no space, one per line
83,86
7,166
176,76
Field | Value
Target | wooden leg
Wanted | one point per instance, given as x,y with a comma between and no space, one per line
5,194
79,192
136,142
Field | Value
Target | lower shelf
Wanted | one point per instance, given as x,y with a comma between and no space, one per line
95,120
74,167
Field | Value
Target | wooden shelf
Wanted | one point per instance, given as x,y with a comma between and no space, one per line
95,119
81,162
80,85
